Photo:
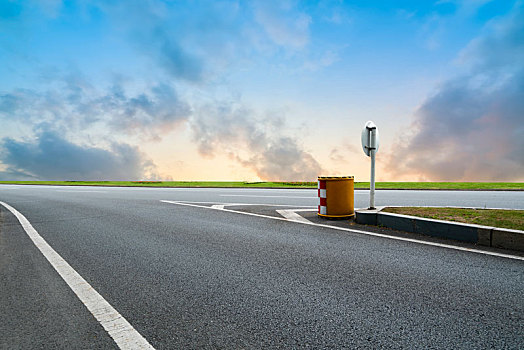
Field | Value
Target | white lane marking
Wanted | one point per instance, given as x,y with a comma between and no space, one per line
447,206
218,206
291,214
177,189
279,190
259,196
515,257
261,204
81,191
124,335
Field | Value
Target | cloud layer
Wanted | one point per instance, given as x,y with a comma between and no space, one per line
256,144
51,157
187,47
73,102
472,128
142,68
283,26
75,107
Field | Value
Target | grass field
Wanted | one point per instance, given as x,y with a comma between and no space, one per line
514,186
217,184
445,185
512,219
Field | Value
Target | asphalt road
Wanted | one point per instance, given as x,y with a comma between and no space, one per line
191,277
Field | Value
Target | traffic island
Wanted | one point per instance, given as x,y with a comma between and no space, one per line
483,235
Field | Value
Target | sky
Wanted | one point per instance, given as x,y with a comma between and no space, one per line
261,90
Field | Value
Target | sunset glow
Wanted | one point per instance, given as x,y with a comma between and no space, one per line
261,90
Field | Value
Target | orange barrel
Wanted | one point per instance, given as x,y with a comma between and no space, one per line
336,195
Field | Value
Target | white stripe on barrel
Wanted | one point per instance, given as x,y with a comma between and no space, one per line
322,195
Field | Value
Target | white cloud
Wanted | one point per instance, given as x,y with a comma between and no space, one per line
284,25
471,128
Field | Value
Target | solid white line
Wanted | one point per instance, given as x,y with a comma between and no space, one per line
279,190
255,196
305,209
261,204
218,206
448,246
81,191
291,215
448,206
124,335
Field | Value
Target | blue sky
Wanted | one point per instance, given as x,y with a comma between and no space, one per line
261,90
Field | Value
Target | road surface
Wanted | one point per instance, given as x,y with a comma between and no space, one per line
187,276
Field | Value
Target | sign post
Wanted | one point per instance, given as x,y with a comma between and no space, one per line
370,146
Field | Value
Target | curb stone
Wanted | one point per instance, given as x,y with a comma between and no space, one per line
483,235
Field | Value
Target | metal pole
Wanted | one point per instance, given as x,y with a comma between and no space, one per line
372,181
372,151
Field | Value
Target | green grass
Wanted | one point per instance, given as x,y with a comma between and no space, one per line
446,185
358,185
512,219
170,183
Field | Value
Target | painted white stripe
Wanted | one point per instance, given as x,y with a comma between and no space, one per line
323,194
218,206
124,335
255,196
291,215
261,204
448,246
172,189
81,191
323,210
447,206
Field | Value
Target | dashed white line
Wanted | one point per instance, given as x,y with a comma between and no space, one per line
122,332
441,245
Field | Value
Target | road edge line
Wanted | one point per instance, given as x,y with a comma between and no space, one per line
125,336
434,244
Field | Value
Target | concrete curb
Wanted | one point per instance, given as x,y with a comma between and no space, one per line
482,235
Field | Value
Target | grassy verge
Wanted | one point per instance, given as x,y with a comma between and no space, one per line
217,184
447,185
511,186
512,219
